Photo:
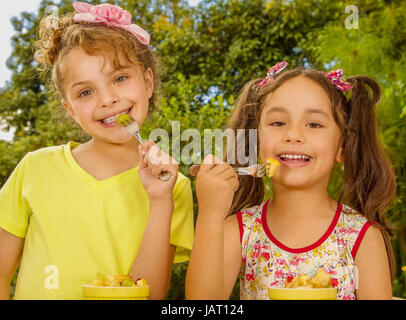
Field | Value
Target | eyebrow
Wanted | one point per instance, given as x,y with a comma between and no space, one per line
308,110
106,73
78,84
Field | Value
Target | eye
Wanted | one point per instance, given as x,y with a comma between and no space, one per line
277,124
85,93
120,79
315,125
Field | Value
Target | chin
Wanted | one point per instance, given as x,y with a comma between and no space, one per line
116,139
123,140
292,183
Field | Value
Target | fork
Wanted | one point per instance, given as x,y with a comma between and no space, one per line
257,170
132,127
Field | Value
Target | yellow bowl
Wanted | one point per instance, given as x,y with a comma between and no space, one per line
115,293
302,293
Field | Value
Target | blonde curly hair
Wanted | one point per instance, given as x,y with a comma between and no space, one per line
56,40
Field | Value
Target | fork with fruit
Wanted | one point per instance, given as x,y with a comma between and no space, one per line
258,170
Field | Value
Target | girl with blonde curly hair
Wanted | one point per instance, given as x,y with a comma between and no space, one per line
71,212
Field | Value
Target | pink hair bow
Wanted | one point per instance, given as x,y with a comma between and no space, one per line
335,78
111,16
272,72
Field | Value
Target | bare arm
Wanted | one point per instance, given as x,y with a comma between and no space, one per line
374,281
213,265
155,258
11,248
232,256
204,277
215,260
156,255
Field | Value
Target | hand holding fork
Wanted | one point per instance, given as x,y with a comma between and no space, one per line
131,125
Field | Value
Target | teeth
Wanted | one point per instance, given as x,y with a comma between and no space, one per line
113,118
294,156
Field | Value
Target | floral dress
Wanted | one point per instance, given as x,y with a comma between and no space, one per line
267,263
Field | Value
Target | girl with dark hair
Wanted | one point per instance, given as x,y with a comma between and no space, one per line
308,120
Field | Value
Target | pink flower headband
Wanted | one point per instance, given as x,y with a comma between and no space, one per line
335,77
272,72
111,16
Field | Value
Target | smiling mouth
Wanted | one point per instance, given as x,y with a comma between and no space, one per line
292,157
112,119
294,160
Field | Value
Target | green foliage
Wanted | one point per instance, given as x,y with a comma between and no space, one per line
378,49
207,53
184,106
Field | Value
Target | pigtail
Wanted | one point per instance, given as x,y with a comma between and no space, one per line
50,41
47,50
369,181
246,116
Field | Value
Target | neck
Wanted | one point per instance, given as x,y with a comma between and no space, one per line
302,203
107,150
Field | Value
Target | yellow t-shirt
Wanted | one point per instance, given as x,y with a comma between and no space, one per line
76,226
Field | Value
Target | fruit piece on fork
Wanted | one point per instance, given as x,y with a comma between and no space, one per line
130,125
271,165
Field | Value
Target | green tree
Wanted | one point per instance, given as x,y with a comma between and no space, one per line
378,49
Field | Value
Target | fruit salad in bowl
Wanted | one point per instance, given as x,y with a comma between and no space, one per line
116,287
319,287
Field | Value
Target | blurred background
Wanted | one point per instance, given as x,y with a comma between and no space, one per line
208,49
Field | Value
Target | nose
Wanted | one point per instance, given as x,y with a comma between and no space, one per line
108,97
293,136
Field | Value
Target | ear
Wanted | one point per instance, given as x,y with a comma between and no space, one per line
340,154
149,81
69,109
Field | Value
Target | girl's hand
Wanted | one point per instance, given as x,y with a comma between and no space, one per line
153,161
216,184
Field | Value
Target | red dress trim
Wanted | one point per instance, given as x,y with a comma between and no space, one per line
307,248
239,218
359,239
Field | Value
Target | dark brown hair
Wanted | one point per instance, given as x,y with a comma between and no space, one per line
115,44
369,183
